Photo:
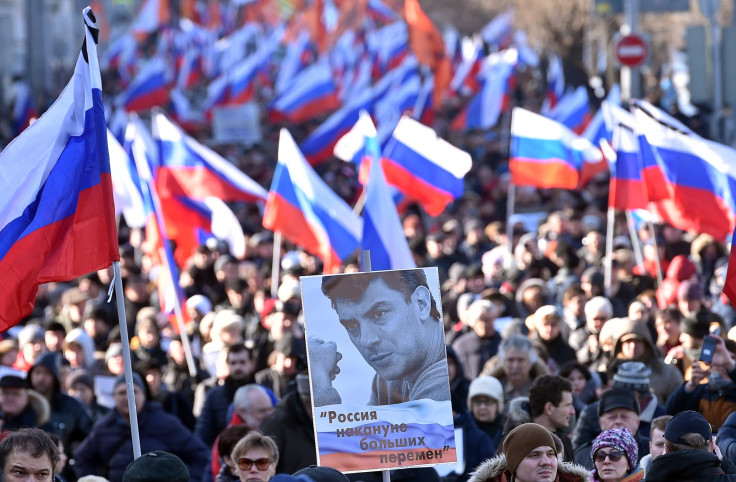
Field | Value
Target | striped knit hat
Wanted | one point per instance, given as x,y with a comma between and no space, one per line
620,439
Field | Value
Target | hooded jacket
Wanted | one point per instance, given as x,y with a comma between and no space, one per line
69,419
81,338
665,378
688,466
495,470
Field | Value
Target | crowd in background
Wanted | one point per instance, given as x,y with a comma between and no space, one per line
532,334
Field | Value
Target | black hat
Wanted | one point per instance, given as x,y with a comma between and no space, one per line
13,381
80,376
697,324
687,422
323,474
618,398
156,466
290,345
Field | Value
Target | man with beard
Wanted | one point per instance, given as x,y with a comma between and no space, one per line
213,417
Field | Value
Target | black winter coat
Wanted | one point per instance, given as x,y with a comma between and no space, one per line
108,449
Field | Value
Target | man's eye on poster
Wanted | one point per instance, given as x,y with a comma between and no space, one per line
378,370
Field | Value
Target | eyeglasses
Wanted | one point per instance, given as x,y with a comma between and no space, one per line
483,401
246,464
614,455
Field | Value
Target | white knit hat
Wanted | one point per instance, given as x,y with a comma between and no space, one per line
489,386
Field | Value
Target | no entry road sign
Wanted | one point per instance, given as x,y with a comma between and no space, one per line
632,50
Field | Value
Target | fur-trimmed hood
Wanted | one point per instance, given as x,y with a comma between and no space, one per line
518,412
40,406
494,470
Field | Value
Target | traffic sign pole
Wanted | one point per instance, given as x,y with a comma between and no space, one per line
630,81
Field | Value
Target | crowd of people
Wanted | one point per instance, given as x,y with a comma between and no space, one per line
553,374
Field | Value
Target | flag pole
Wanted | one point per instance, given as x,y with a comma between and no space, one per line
366,254
635,242
360,202
180,321
653,235
133,413
607,266
275,264
510,200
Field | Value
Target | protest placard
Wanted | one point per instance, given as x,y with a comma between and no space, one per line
378,370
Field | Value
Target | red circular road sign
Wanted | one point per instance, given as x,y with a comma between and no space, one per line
632,50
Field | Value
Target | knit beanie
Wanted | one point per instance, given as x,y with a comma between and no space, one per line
620,439
488,386
522,440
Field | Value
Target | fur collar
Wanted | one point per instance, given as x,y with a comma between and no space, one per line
494,470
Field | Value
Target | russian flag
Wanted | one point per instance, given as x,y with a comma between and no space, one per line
383,234
596,132
192,169
499,31
573,110
149,88
729,286
158,242
465,81
312,92
700,175
242,80
555,81
307,212
318,146
352,146
58,217
292,63
627,190
545,153
424,166
190,71
597,129
484,109
181,111
126,191
23,107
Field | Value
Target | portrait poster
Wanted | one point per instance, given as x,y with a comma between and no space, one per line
378,370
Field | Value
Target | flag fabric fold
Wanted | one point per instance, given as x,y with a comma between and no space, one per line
58,219
307,212
423,166
545,153
700,175
383,235
192,169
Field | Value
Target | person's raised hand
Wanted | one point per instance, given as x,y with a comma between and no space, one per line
698,371
323,360
721,357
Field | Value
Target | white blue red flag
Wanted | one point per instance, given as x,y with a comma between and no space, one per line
383,234
58,217
307,212
545,153
426,168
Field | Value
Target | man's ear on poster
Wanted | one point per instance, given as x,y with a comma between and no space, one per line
422,299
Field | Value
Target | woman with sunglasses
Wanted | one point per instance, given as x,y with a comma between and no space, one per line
616,457
255,457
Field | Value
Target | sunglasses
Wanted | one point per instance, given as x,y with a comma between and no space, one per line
246,464
614,455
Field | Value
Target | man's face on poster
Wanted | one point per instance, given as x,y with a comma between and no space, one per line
390,333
